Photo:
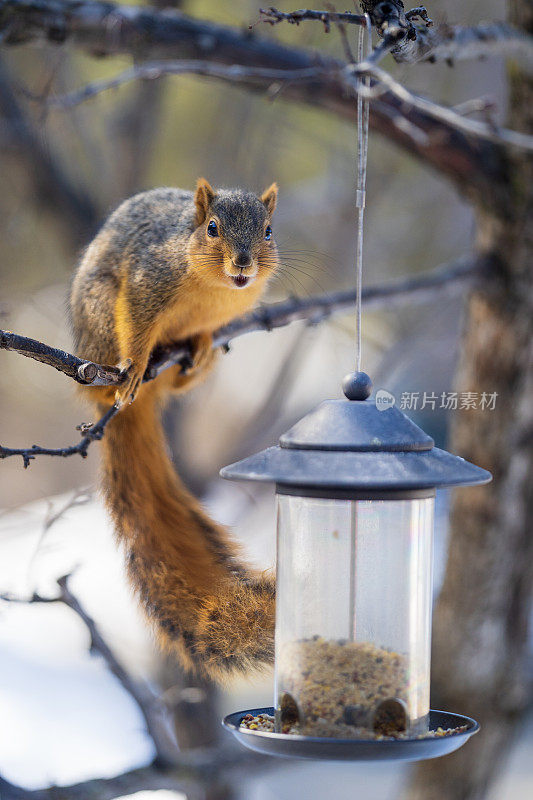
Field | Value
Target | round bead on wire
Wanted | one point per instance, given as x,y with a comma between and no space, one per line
357,386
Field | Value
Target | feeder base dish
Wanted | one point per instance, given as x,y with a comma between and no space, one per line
293,746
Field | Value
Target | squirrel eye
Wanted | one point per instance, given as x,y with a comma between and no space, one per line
268,232
212,229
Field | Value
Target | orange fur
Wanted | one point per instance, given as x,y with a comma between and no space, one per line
215,613
154,276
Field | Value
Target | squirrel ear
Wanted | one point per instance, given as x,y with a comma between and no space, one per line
269,198
203,198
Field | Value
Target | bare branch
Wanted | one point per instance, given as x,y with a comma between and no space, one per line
272,16
77,368
195,777
341,27
411,43
450,277
189,772
452,43
348,77
479,170
151,708
153,70
79,497
53,187
149,778
90,433
441,113
314,309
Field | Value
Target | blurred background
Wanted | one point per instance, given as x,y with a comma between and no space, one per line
61,173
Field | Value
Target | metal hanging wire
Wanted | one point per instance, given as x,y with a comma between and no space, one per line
362,158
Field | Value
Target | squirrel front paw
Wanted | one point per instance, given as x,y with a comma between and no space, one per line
132,376
202,353
202,359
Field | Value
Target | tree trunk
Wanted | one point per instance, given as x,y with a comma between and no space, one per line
480,624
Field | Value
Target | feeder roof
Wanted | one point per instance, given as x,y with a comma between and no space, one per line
352,446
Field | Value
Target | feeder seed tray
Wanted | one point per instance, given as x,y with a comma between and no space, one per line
328,749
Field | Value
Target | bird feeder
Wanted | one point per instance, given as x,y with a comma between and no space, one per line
355,490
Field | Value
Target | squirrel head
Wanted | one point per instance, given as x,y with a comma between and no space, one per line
233,243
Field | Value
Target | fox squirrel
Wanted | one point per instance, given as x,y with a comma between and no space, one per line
169,266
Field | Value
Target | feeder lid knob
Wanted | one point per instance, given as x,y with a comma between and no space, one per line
357,386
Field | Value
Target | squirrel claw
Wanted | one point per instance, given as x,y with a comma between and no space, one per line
126,393
125,366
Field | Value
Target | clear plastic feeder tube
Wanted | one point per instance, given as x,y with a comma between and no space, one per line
353,616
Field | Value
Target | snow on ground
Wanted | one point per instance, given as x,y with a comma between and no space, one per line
66,719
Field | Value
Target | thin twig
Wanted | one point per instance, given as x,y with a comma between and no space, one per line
150,707
79,497
476,105
348,55
273,17
156,69
91,433
188,772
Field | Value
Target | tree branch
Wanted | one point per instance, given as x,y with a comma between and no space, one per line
185,772
149,778
266,318
76,368
449,278
262,77
389,19
151,709
194,778
452,43
347,76
272,16
90,433
479,169
53,186
409,43
448,116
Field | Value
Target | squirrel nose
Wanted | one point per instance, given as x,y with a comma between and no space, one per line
242,260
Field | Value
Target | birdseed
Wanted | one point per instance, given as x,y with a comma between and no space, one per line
338,687
267,724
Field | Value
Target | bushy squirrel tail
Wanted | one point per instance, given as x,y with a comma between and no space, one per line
206,606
